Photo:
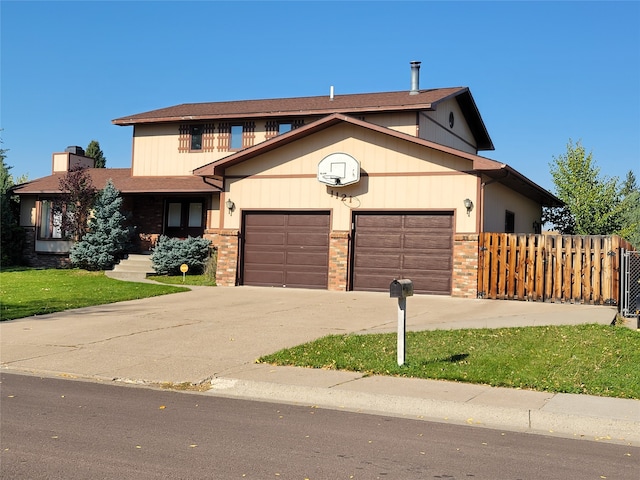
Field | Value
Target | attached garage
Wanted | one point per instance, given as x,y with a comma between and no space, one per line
286,249
418,246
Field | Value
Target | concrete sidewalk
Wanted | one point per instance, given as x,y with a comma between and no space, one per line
215,334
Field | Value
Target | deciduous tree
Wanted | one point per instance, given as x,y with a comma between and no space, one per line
75,203
593,203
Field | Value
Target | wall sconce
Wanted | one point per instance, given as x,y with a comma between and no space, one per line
537,227
230,206
468,204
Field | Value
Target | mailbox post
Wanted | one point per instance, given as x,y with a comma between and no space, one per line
401,289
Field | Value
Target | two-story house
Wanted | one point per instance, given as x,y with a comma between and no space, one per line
335,191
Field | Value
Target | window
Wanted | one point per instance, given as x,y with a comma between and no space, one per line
184,217
50,221
196,137
235,142
284,127
509,222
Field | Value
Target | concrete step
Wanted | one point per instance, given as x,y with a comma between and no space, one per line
135,263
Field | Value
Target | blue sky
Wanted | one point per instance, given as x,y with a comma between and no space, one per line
541,73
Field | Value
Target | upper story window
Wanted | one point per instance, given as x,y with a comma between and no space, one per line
235,142
284,127
196,137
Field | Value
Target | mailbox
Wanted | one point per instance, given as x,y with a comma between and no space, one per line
401,288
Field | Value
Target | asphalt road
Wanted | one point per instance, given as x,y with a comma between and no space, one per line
64,429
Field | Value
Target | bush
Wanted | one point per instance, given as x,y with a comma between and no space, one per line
170,253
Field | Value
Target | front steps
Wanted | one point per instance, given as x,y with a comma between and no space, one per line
134,268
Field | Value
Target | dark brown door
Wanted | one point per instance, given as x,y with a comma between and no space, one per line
404,245
184,217
286,249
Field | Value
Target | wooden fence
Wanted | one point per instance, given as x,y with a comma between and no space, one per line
551,268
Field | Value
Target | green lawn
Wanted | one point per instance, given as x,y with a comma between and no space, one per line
201,280
590,359
28,292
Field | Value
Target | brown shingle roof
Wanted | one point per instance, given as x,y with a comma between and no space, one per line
123,181
321,105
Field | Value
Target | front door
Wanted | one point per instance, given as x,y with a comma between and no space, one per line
184,217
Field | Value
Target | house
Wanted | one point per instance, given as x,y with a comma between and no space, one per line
337,192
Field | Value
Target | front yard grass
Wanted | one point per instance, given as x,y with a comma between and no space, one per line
589,359
198,280
28,292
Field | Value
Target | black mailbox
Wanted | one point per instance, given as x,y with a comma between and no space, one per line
401,288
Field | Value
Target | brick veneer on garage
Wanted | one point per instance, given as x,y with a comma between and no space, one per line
338,260
226,242
465,266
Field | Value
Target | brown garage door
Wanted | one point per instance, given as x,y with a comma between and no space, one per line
404,245
286,249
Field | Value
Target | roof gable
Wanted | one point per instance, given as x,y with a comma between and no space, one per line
479,165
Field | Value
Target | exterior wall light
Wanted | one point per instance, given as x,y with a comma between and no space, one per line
468,204
230,206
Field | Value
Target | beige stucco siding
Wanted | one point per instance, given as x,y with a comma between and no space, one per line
434,126
396,175
498,199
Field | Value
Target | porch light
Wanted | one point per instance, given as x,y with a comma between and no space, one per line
230,206
468,204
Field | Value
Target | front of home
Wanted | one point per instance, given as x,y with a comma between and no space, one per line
340,192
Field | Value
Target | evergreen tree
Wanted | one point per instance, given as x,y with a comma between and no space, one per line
593,204
106,241
11,235
93,150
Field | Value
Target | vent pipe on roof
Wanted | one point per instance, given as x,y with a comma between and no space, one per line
331,93
415,78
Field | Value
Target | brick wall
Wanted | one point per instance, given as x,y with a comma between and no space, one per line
41,260
465,266
226,243
338,260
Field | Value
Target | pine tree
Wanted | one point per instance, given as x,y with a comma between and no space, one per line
11,235
93,150
107,238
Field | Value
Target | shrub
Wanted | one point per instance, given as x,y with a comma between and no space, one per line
170,253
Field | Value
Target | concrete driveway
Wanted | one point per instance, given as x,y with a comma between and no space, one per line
208,332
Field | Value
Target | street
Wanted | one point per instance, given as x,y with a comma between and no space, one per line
58,428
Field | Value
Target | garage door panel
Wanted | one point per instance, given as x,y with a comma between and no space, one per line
403,245
259,277
444,222
258,220
426,262
425,242
306,259
313,221
302,239
379,240
378,221
264,257
264,238
379,261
